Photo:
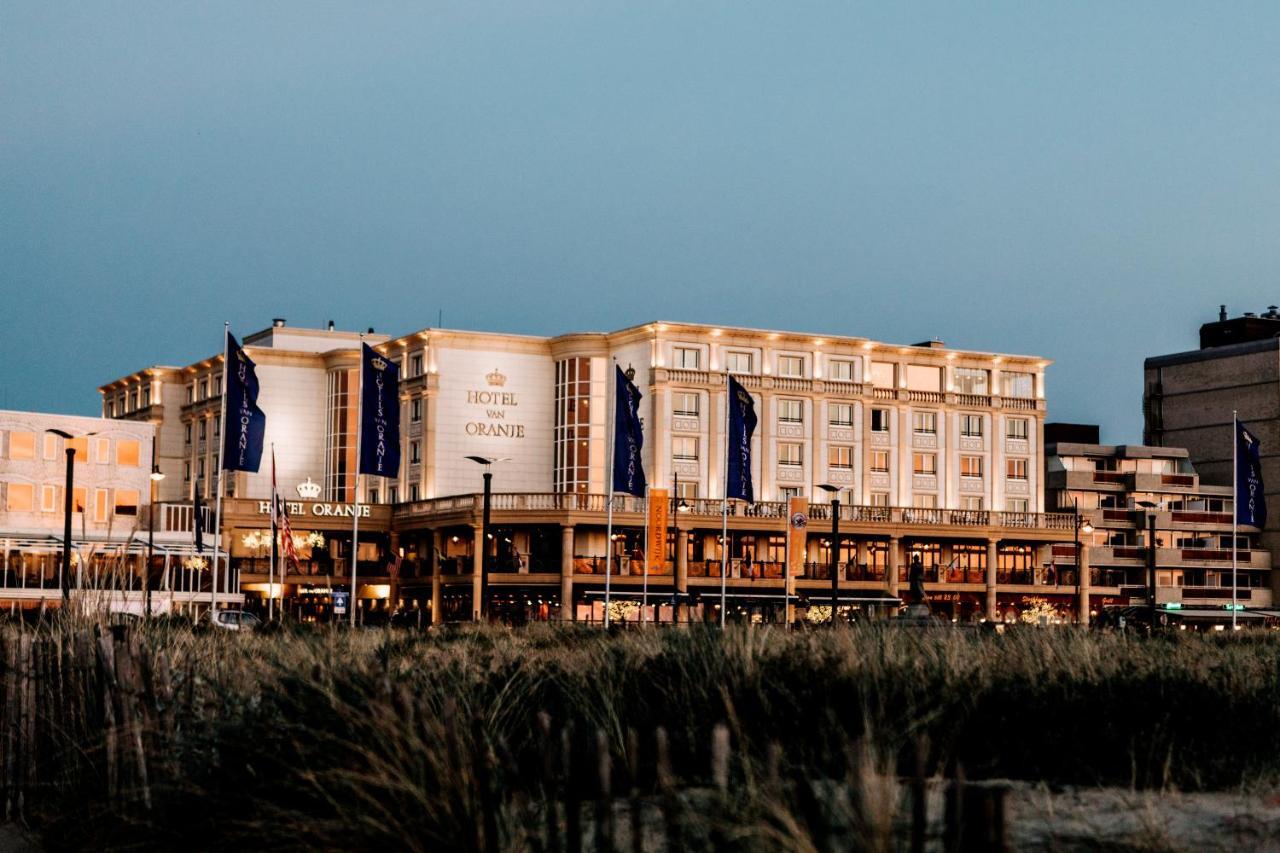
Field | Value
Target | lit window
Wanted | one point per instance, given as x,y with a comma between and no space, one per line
684,447
1017,469
684,403
102,450
970,380
1016,384
22,445
791,366
790,453
880,462
925,423
100,505
687,491
883,374
791,411
840,370
923,378
79,499
737,362
840,456
50,446
971,426
127,453
20,498
80,446
126,502
48,498
686,358
924,463
840,414
970,466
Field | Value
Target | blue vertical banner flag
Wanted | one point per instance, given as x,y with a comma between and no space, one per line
742,426
1251,504
246,423
628,437
379,414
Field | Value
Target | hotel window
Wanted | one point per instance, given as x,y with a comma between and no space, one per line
879,498
883,374
126,502
685,358
80,448
79,499
970,380
22,445
791,366
1016,428
20,498
970,466
684,403
840,456
1017,504
204,429
146,397
215,387
186,433
879,420
340,436
924,378
128,453
880,462
924,463
924,501
572,425
415,452
684,447
50,446
415,364
217,427
186,472
373,496
1016,468
191,394
687,491
971,502
790,453
100,505
111,408
204,389
924,423
971,426
48,498
786,493
102,450
840,414
737,362
200,468
791,411
415,410
1016,384
133,400
393,494
840,370
413,492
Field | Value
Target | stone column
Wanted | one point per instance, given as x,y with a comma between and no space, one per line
992,554
437,569
566,573
891,575
477,570
682,575
1082,569
393,594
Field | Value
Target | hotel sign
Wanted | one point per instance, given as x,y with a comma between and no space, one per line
319,510
494,406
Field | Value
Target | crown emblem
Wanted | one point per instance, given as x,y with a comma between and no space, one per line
309,490
495,378
378,363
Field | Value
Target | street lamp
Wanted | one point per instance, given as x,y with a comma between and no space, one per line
1082,526
1151,557
834,556
482,607
67,509
156,476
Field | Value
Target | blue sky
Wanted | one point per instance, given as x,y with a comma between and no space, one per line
1080,181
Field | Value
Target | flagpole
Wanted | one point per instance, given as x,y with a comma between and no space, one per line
724,504
217,479
608,538
275,535
1235,506
644,596
355,515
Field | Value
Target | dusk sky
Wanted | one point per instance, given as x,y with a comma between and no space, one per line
1086,182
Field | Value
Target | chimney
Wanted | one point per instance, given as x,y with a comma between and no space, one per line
277,323
331,325
1271,313
370,332
1222,313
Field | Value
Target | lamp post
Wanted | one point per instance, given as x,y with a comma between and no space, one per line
156,476
68,488
482,607
1082,526
680,506
834,556
1151,558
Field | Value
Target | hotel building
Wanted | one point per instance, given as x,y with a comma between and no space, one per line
1118,491
935,453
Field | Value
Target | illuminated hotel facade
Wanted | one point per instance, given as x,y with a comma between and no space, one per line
936,453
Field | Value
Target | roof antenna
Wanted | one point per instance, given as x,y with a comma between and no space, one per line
439,318
1222,313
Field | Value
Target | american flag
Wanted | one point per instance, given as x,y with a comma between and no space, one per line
281,531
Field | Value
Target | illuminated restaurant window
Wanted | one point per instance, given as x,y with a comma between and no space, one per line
127,453
20,497
572,452
126,502
22,445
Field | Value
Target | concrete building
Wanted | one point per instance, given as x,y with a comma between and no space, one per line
935,453
1116,491
1188,399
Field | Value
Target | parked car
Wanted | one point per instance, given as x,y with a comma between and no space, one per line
233,620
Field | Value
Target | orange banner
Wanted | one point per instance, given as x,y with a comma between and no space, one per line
797,536
655,552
